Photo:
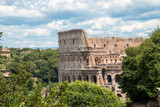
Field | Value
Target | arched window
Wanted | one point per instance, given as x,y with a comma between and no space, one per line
119,95
104,45
103,73
115,60
73,78
79,77
109,78
118,78
73,41
94,79
85,78
94,45
68,78
63,78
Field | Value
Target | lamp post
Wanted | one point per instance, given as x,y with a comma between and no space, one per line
158,96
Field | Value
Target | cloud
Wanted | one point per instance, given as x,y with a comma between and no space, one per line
37,32
140,26
35,23
13,11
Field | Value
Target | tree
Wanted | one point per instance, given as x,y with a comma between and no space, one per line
0,39
84,94
141,70
42,64
15,88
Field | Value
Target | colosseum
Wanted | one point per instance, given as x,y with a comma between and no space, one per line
93,59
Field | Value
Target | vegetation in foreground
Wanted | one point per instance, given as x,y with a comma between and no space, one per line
76,94
42,64
141,70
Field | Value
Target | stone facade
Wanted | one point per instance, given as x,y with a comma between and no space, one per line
93,59
5,52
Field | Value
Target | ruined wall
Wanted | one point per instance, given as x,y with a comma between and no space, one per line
93,59
114,44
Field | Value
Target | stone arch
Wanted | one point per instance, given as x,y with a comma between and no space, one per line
120,96
118,78
103,72
68,78
63,78
85,77
94,78
68,59
109,78
79,77
73,78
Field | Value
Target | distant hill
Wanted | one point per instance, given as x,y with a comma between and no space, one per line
44,47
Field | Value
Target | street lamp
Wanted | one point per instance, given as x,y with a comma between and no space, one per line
158,95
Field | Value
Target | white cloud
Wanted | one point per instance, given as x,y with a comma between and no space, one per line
140,26
67,5
58,25
37,32
7,11
98,17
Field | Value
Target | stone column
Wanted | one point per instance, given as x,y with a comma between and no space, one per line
82,77
76,77
71,78
59,76
75,61
98,79
89,78
82,59
105,79
113,79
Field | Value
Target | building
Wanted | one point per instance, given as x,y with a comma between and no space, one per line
5,52
93,59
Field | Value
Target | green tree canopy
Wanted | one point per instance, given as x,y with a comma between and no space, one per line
141,70
0,39
84,94
42,64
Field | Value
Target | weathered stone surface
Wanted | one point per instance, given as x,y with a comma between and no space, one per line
93,59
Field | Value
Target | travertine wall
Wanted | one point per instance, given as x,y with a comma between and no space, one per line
93,59
5,52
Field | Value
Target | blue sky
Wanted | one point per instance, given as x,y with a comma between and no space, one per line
35,23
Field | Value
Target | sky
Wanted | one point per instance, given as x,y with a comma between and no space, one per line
35,23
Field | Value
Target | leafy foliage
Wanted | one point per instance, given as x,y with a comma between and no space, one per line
0,39
141,70
14,88
84,94
42,64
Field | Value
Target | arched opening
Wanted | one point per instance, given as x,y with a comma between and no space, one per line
85,78
68,78
118,78
73,78
119,95
79,77
63,78
87,61
103,72
109,78
94,79
113,89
